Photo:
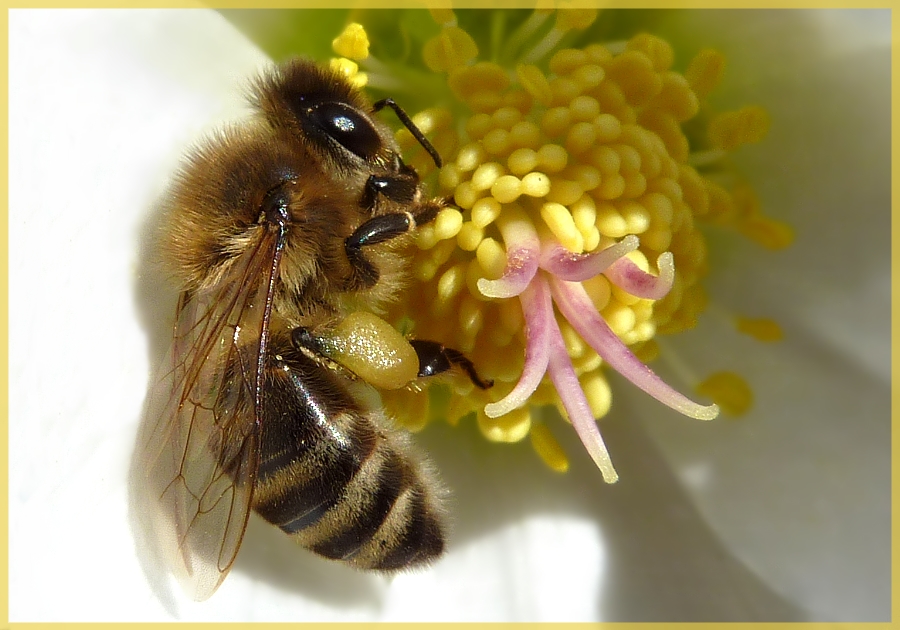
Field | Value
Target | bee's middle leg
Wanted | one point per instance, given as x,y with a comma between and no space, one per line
435,358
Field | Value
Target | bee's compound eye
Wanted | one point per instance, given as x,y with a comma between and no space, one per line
347,126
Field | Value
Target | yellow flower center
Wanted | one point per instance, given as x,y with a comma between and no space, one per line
578,202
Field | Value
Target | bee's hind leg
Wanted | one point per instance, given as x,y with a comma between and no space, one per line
435,358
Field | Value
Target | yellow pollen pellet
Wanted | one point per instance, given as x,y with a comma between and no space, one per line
567,60
584,108
564,192
486,174
506,189
496,141
555,121
548,448
760,329
729,391
450,282
598,393
465,196
352,42
447,223
485,211
588,76
536,184
607,127
535,83
705,71
524,134
479,124
552,158
522,161
470,157
469,236
508,428
559,220
492,258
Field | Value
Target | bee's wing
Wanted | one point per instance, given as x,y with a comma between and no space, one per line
199,443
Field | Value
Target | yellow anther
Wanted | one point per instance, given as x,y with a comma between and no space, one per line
598,393
568,19
408,408
506,189
555,121
587,176
479,124
581,137
629,158
636,217
449,49
769,233
352,42
447,223
511,427
575,345
485,211
677,97
760,329
588,77
584,108
522,161
619,317
469,236
597,53
552,158
496,141
425,237
633,71
635,185
536,184
606,159
486,174
444,17
506,117
732,129
728,390
465,196
535,83
610,222
598,289
611,187
660,208
548,448
433,119
657,49
451,282
559,220
608,127
492,258
350,70
705,72
564,191
567,60
564,90
450,176
584,213
471,317
525,134
470,157
480,77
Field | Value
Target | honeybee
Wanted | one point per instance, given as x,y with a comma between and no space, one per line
278,230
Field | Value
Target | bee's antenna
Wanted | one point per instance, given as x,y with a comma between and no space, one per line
409,124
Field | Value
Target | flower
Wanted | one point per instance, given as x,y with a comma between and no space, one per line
783,514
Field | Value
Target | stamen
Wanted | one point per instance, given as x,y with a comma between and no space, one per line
522,256
565,265
631,278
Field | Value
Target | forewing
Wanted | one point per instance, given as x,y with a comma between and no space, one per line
199,443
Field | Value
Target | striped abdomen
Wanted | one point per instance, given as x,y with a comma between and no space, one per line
336,478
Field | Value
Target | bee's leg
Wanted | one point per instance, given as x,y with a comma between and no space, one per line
383,228
435,358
